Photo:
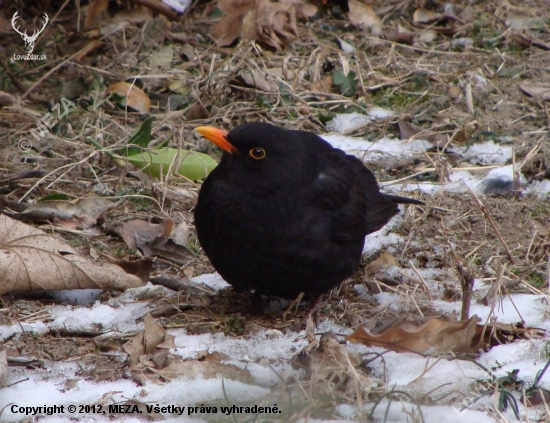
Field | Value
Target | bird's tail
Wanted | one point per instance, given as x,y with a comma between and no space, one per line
403,200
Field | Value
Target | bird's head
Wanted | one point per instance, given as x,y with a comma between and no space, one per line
261,150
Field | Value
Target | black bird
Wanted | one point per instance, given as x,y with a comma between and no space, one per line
285,212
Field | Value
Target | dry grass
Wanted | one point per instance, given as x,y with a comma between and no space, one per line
467,94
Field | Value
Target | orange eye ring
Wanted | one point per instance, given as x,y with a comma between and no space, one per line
257,153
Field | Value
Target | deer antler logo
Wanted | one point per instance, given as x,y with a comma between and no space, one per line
29,40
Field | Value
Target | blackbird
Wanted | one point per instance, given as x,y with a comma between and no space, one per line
285,212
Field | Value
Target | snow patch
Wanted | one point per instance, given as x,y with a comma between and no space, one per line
211,280
347,122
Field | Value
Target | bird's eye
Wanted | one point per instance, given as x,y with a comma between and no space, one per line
257,153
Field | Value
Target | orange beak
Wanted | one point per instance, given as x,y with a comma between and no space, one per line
217,136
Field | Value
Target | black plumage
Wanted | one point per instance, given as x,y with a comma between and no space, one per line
285,212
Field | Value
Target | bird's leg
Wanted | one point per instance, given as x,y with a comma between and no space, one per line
257,302
313,311
296,303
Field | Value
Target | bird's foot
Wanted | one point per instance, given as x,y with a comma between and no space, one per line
313,312
295,303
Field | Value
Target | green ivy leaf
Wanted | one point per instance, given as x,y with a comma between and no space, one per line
141,138
194,165
347,83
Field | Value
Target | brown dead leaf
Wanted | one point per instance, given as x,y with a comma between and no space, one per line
150,341
109,29
363,15
427,36
6,99
165,239
326,350
149,351
539,397
324,85
135,97
304,8
304,110
284,74
536,89
140,268
136,233
255,80
188,271
306,11
402,38
275,24
96,10
235,7
381,270
76,214
448,25
70,384
137,16
331,366
425,16
169,249
271,24
187,52
527,40
31,260
434,336
402,35
228,29
179,87
451,293
214,356
487,337
180,233
407,129
384,262
455,92
197,111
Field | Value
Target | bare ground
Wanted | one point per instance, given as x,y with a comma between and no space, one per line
426,83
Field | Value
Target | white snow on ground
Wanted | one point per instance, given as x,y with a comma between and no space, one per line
345,122
80,296
541,188
486,152
121,317
382,149
266,353
211,280
48,388
384,238
462,180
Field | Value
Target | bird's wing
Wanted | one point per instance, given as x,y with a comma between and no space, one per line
381,208
349,193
